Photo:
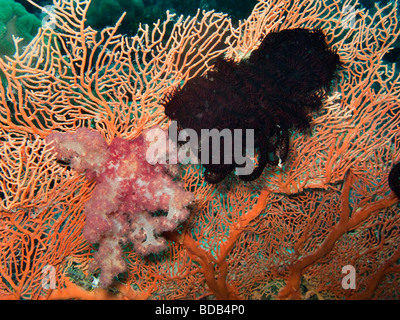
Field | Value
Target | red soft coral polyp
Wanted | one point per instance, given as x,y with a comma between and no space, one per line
128,190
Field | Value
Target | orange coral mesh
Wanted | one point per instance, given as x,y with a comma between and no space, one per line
287,235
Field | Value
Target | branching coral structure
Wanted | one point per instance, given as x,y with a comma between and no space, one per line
128,189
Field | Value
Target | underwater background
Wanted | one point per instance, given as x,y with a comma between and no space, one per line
324,223
105,13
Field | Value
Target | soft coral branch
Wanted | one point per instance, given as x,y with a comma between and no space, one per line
128,190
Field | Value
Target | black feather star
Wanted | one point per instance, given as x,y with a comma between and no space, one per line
394,179
272,92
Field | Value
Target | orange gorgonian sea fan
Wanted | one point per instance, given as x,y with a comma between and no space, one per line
287,235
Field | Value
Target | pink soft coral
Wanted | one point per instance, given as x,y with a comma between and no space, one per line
128,189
